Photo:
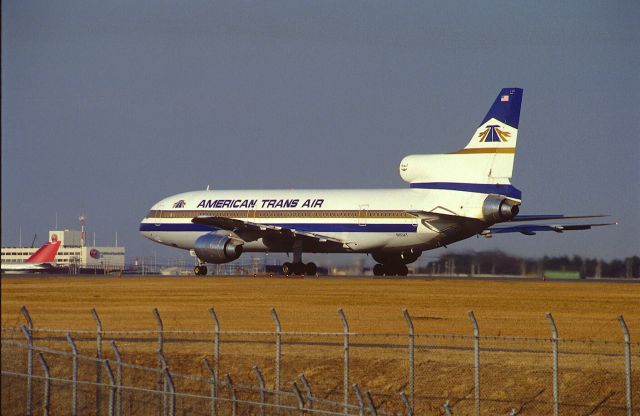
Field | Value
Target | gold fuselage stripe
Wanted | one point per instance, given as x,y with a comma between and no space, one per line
477,150
281,214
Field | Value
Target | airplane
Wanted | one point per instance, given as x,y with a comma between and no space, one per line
450,197
42,261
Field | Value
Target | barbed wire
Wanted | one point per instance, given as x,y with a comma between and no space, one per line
195,396
221,383
107,334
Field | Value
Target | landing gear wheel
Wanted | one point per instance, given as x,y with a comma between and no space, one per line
298,268
287,269
200,270
310,269
388,270
395,269
378,270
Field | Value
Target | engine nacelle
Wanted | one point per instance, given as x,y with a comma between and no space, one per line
213,248
496,208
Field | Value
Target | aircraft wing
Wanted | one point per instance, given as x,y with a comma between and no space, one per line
532,229
237,226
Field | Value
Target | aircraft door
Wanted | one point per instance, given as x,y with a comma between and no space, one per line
159,214
413,220
362,214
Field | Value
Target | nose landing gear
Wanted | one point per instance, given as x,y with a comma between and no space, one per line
200,270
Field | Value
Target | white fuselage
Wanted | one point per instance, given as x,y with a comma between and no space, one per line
27,267
366,220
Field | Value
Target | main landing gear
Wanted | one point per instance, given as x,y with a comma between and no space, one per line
299,268
200,270
390,269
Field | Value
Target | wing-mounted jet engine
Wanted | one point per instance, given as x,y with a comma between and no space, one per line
216,249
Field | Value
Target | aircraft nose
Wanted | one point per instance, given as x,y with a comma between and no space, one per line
146,227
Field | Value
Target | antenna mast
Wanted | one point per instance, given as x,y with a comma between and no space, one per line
82,219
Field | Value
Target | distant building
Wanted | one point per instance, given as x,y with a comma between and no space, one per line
72,252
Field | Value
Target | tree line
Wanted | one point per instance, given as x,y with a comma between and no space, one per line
501,263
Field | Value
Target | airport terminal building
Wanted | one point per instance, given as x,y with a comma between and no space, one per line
73,253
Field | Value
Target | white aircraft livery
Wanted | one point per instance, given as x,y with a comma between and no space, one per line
450,197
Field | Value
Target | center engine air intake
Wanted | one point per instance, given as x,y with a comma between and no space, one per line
496,208
213,248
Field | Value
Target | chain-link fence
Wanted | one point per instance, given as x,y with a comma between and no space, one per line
276,372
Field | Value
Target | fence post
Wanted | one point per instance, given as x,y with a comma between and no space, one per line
447,408
163,381
112,388
74,372
554,349
298,395
476,361
213,376
276,320
234,398
360,400
98,361
262,387
345,375
27,317
407,405
172,392
627,361
27,334
372,406
156,314
307,388
216,340
47,381
116,353
411,355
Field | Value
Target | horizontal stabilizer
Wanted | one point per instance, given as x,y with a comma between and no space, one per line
553,217
532,229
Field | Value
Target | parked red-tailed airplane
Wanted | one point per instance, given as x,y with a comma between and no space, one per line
41,261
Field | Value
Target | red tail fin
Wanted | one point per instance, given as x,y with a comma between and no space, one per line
45,254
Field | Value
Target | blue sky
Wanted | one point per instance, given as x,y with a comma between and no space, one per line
108,107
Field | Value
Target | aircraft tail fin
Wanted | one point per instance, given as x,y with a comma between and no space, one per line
498,131
485,165
45,254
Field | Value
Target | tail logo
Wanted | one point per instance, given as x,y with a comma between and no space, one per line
494,134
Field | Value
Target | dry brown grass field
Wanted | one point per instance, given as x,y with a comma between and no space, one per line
514,374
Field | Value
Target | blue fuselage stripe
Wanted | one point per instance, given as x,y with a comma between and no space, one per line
307,227
484,188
